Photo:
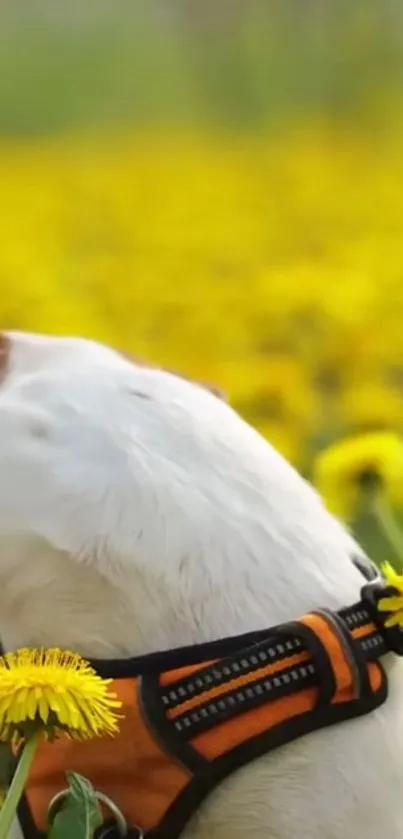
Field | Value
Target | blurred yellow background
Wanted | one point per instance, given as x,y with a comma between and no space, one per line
217,187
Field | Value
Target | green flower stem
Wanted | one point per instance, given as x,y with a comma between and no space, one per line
388,524
16,789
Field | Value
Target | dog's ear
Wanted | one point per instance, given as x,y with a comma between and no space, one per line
217,391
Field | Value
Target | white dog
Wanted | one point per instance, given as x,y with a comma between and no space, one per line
138,512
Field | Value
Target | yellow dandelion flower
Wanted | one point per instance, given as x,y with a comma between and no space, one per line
393,603
347,468
54,690
42,693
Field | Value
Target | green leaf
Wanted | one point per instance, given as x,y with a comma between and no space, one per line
80,814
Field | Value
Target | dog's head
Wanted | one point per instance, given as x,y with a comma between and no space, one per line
82,426
97,450
115,476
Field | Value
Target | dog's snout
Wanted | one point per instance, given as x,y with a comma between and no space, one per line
4,355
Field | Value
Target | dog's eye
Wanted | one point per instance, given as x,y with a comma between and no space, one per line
367,568
139,394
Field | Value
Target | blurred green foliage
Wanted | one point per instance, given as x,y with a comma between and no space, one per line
227,63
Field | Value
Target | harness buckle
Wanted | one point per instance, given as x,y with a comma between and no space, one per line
371,594
118,822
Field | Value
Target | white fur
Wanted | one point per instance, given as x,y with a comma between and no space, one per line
139,512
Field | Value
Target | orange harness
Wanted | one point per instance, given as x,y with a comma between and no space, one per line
193,716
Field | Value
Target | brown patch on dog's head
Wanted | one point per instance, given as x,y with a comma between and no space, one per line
207,385
4,355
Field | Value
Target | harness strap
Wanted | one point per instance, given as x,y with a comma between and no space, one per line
291,660
359,618
217,716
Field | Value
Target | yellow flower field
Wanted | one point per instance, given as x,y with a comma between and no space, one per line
272,266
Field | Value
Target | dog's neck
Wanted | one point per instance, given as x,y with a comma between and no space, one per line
258,578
